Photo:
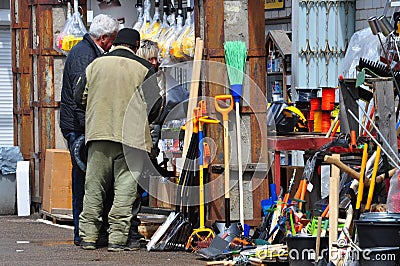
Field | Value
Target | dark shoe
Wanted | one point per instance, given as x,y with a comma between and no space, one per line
115,247
88,245
77,242
133,244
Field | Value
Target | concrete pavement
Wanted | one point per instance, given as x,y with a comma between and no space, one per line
33,241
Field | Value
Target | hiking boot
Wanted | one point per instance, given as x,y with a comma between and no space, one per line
133,244
115,247
88,245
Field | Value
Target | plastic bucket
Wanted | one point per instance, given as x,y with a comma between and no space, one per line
378,230
301,249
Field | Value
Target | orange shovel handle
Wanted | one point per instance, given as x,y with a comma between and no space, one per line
224,110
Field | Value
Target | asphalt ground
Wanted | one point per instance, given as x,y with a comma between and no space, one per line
34,241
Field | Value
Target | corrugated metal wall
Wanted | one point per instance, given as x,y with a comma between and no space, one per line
6,90
321,32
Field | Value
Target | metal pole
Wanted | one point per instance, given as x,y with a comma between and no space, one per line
372,137
380,134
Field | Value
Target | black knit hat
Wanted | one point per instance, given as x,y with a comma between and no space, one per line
128,36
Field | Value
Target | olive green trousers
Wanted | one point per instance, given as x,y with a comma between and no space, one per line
110,164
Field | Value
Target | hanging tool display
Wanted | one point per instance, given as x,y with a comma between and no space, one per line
224,109
235,58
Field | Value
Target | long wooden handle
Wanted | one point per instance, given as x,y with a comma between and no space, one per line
333,207
240,174
226,158
354,174
373,177
194,92
318,241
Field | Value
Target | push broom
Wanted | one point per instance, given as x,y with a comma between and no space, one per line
235,59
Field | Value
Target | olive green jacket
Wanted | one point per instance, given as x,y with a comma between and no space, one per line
121,94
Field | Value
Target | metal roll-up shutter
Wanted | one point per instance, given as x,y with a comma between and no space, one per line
6,90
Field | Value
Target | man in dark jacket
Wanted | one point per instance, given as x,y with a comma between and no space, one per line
102,34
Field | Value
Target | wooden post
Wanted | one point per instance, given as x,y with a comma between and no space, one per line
385,118
333,207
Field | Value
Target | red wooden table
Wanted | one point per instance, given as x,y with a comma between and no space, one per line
299,142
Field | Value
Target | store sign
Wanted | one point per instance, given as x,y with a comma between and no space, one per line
274,4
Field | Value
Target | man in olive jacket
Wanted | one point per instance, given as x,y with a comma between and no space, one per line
100,38
122,98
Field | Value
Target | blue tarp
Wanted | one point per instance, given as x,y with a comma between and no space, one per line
9,156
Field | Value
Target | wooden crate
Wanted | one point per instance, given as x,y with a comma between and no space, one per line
57,183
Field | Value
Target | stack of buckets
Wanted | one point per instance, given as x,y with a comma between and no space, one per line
320,111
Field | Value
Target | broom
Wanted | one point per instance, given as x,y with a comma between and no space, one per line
235,59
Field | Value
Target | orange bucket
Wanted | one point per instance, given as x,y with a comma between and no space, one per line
328,99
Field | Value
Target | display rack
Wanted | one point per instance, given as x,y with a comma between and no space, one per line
279,52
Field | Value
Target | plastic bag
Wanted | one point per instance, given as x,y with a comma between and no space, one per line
139,22
154,27
72,33
188,44
173,34
362,44
146,19
393,199
176,45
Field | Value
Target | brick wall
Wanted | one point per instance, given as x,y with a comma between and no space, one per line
366,9
279,19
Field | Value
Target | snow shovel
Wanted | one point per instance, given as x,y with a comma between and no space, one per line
224,110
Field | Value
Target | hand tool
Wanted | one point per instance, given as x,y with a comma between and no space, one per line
235,58
372,185
225,110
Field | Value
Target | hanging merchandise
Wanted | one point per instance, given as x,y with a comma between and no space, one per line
73,30
154,27
146,18
167,33
176,46
139,9
188,43
166,48
164,25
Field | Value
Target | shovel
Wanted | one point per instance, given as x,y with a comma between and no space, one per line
224,110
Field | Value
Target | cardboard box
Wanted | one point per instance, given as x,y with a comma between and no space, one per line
57,183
